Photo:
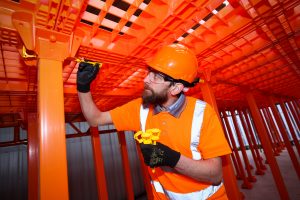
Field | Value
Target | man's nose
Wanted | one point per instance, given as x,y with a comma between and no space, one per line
146,79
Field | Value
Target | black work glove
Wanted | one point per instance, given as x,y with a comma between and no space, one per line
85,75
159,155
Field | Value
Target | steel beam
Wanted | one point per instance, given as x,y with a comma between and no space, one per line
52,139
259,171
290,126
230,182
267,147
256,147
99,164
242,175
33,157
126,166
250,177
284,135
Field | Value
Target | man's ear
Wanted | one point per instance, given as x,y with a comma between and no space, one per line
177,88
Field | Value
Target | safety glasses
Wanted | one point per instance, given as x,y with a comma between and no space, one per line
158,77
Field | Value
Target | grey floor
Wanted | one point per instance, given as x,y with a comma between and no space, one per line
265,188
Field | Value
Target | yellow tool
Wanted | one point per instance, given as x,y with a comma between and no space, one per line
86,61
79,60
150,136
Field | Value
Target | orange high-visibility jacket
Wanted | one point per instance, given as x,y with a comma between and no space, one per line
196,133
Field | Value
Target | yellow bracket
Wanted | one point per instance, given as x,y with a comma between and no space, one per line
25,55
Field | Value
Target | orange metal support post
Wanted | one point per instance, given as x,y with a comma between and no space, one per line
294,113
233,147
270,132
279,122
291,128
267,147
262,166
126,166
52,137
275,131
230,182
297,107
99,164
246,129
242,147
32,157
266,125
246,183
285,137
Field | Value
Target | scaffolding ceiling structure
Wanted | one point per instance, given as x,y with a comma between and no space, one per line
241,45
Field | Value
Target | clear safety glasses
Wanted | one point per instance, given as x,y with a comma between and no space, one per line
157,77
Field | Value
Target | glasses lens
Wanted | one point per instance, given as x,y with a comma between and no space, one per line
156,77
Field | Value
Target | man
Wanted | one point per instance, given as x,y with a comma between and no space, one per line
187,156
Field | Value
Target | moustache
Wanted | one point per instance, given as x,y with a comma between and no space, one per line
147,87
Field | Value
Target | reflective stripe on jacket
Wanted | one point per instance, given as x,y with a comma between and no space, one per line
201,194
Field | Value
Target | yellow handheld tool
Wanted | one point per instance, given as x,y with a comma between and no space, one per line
150,136
86,61
79,60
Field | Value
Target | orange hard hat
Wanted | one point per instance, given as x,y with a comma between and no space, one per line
176,61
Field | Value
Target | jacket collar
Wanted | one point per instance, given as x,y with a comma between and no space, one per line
175,109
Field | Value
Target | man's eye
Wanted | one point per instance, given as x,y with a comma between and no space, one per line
158,77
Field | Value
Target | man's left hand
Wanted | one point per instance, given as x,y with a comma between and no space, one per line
159,155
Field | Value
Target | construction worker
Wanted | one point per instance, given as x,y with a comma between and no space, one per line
186,157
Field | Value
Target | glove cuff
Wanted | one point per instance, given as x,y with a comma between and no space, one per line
173,158
83,88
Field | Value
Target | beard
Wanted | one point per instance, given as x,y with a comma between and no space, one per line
150,97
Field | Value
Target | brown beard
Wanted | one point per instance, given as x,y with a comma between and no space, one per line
150,97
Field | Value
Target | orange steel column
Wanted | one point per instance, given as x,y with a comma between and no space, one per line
279,123
297,107
98,163
275,131
126,166
255,158
52,137
239,166
270,132
285,137
32,157
291,128
230,182
262,166
242,147
246,184
233,147
294,113
267,147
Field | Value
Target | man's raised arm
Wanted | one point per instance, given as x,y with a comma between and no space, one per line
85,75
